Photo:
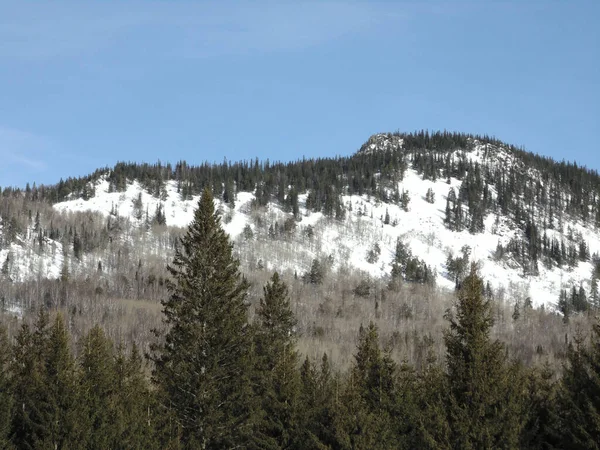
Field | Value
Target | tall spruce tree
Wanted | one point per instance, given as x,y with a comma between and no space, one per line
483,402
432,428
319,403
580,397
31,420
277,378
542,429
135,405
364,419
6,397
201,365
98,388
60,379
374,371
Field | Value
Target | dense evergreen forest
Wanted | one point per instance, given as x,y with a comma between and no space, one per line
216,378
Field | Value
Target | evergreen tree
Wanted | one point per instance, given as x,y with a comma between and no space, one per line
367,416
159,215
580,398
373,371
542,428
30,426
318,406
516,310
404,200
201,366
278,382
135,405
354,425
430,196
6,397
594,299
5,269
450,202
316,273
483,401
307,413
432,430
77,246
138,207
60,378
564,305
97,385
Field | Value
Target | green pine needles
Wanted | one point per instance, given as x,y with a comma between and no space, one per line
202,365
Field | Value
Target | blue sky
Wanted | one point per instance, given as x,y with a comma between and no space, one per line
86,84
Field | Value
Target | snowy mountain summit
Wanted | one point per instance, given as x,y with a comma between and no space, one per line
416,207
382,142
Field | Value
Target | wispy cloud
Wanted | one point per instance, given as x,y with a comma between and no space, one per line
20,150
189,29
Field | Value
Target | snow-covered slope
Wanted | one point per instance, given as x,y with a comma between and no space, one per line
28,263
178,213
260,239
347,242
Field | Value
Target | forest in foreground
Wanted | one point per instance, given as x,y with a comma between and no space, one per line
213,378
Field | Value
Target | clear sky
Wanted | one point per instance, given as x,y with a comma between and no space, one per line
85,84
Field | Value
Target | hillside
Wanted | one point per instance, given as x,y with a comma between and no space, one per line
529,222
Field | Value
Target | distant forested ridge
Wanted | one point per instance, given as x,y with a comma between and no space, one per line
536,193
364,172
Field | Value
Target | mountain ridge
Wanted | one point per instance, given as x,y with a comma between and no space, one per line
442,195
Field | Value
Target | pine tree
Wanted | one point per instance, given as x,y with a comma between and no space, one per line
6,396
404,200
308,400
450,217
580,398
60,378
31,418
5,270
516,310
373,371
135,402
201,366
542,428
369,399
318,405
316,273
430,196
278,380
77,246
564,305
594,299
432,430
354,425
97,385
159,215
483,399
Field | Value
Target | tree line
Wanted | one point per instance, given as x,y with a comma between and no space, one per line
216,379
561,186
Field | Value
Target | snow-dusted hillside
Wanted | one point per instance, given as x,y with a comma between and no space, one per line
348,241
